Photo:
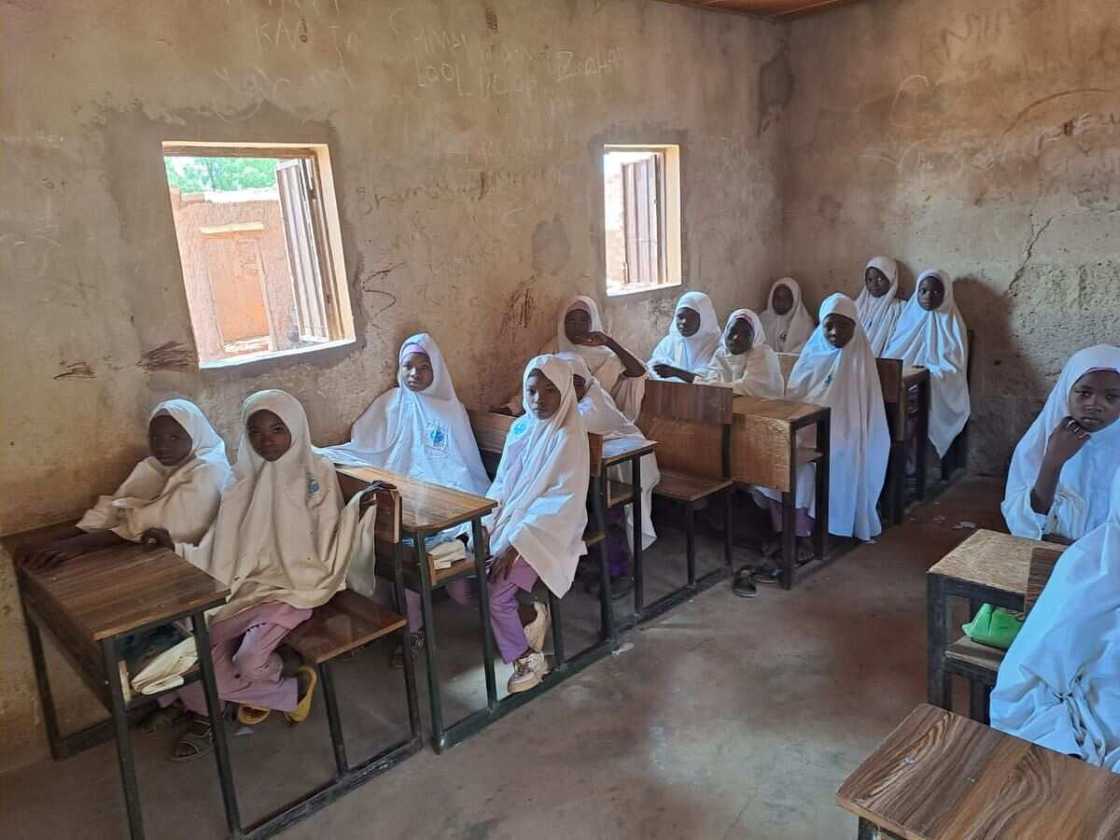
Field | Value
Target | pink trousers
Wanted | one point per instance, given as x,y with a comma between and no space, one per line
803,522
246,665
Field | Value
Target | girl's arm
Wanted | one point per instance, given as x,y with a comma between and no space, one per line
670,372
632,366
59,551
1065,442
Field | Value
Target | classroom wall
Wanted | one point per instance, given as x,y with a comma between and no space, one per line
464,138
983,138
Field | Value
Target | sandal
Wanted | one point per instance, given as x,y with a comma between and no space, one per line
196,741
251,715
303,708
743,584
161,719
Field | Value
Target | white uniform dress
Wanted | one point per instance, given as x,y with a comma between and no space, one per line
756,373
693,353
879,315
787,333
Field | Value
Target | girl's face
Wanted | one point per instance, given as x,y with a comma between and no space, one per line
782,299
838,330
577,324
580,384
542,398
688,321
876,281
416,370
168,442
1094,400
740,338
268,435
931,294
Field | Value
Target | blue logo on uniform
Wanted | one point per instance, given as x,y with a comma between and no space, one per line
437,436
312,486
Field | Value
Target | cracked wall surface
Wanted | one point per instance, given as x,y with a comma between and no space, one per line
982,138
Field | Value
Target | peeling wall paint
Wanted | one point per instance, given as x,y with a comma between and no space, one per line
462,138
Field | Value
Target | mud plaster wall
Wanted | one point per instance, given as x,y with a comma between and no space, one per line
983,138
464,138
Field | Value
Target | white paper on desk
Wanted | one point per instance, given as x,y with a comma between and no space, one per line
166,670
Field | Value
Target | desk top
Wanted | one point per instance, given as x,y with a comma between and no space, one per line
622,451
120,589
784,410
913,375
940,776
427,508
990,558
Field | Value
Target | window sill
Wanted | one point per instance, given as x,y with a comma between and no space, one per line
630,291
272,355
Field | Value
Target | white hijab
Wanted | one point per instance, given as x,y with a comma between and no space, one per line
426,435
597,358
1081,500
756,373
541,485
878,315
693,353
602,417
1059,684
182,499
848,382
937,340
788,333
281,533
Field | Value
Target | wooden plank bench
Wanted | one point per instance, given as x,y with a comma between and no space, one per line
939,776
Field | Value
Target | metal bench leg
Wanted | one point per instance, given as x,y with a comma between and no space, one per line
431,655
728,526
789,539
690,541
109,660
330,699
214,707
557,629
43,683
484,616
867,831
407,648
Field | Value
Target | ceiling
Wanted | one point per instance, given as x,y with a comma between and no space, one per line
765,8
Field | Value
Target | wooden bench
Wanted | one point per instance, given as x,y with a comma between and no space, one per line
939,776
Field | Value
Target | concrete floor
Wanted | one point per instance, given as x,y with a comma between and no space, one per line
724,719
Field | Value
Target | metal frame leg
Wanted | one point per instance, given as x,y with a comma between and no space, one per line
484,617
109,659
43,683
334,720
690,541
789,538
217,725
728,527
937,630
407,648
638,569
923,435
606,601
557,628
824,446
431,653
867,831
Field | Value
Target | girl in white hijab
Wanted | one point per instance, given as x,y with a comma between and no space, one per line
282,542
602,417
419,428
1063,467
693,336
837,369
878,304
931,333
1059,684
744,361
786,321
176,488
579,330
537,529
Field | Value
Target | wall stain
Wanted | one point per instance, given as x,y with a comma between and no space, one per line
171,355
551,248
519,310
775,89
491,19
75,370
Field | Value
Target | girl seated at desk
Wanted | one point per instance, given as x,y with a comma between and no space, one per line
282,542
419,429
176,488
620,372
693,335
602,417
931,333
878,304
744,361
1059,683
786,321
837,369
537,529
1064,465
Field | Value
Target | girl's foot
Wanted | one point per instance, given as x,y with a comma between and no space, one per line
528,671
161,719
537,629
307,679
197,741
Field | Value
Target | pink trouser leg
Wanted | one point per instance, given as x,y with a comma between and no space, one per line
803,521
509,632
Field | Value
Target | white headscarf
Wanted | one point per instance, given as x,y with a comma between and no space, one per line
847,381
541,485
878,315
595,357
182,499
756,373
937,340
693,353
1059,684
602,417
281,534
787,333
424,434
1081,500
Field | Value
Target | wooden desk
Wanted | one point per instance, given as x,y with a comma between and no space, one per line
765,452
988,567
88,604
940,776
428,508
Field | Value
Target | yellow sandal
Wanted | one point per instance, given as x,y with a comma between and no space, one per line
251,715
303,708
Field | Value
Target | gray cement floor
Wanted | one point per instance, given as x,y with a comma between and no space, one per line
724,719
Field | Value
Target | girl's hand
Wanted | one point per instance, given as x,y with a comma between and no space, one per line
1065,441
594,339
158,538
501,567
51,555
663,370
